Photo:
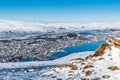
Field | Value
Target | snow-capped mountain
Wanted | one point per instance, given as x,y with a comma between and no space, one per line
104,64
21,26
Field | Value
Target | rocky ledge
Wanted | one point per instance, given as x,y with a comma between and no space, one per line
102,65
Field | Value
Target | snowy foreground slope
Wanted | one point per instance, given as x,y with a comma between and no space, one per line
104,64
64,60
34,70
8,25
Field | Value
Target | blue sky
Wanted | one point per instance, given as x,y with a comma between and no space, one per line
61,10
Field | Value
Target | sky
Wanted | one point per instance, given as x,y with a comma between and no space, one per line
61,10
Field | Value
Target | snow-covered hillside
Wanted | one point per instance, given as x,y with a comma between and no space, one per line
33,70
104,64
7,25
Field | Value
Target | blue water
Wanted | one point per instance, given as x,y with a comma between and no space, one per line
74,49
93,32
28,59
86,32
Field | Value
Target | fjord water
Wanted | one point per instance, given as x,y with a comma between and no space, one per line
28,59
69,50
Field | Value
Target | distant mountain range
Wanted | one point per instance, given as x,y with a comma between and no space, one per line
21,26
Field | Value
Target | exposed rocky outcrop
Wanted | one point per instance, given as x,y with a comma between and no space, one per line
113,68
101,50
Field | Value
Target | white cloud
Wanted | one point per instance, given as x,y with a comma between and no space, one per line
7,25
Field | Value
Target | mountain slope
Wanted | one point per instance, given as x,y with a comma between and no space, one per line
102,65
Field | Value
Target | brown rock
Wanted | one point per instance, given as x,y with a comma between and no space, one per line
113,68
73,67
61,66
80,59
88,66
101,49
88,73
100,59
116,43
89,57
